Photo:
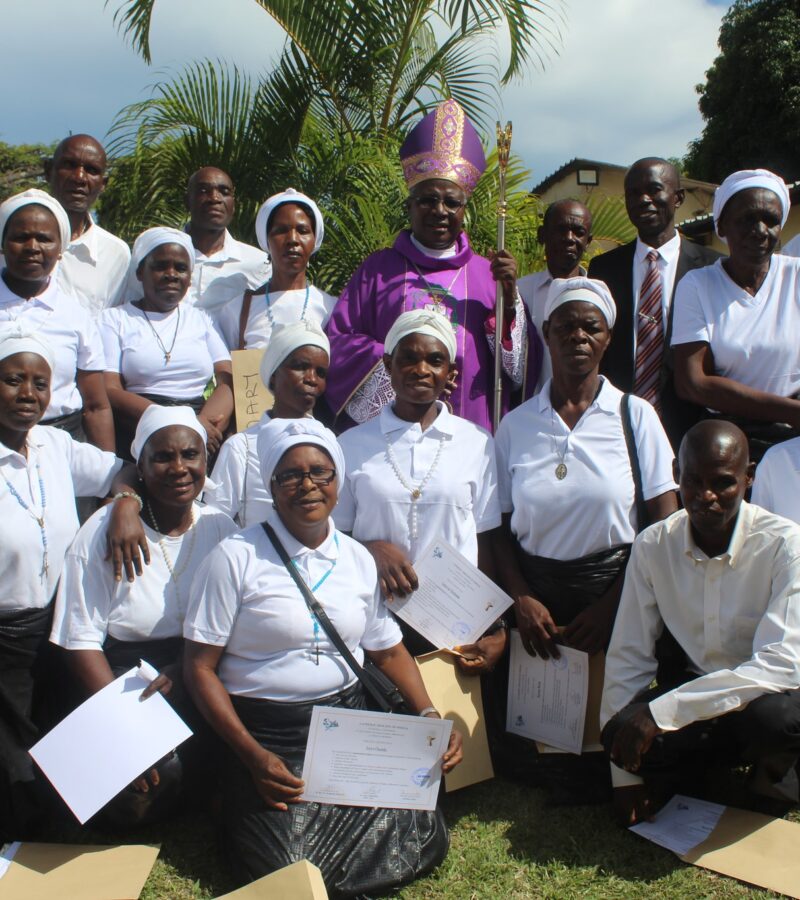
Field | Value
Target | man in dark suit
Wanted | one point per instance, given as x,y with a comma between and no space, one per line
652,194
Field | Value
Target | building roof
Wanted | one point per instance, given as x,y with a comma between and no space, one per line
572,166
705,224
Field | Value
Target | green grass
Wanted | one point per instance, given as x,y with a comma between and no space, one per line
506,844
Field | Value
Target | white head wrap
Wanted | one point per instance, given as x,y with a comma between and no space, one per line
285,339
16,338
40,198
276,436
155,237
587,290
421,321
156,417
750,178
290,195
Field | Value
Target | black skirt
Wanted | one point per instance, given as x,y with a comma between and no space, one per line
359,850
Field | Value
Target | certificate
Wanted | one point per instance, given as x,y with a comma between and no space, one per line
360,758
455,602
547,697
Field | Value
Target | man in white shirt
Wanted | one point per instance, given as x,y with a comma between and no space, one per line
653,193
94,266
565,232
724,577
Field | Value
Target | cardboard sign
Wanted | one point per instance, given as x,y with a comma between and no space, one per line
300,881
76,872
458,697
251,398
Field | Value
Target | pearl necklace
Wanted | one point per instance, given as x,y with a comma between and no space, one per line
174,573
271,317
415,492
39,519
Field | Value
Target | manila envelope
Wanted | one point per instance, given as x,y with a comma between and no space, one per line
753,848
591,728
251,398
77,872
300,881
458,697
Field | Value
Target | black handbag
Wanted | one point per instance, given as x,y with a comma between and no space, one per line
380,688
633,457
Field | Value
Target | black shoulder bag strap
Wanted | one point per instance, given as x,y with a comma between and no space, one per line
633,456
379,687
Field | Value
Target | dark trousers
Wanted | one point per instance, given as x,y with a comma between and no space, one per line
765,734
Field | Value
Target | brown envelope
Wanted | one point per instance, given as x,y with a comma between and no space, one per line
251,398
300,881
458,697
77,872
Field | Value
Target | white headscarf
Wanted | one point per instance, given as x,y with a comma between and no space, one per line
290,195
16,338
587,290
156,417
421,321
276,436
39,198
285,339
750,178
155,237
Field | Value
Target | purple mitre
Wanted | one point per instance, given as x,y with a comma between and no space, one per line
445,145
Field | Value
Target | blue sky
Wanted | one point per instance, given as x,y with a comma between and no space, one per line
621,86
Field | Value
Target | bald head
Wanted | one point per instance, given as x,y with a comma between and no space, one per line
714,439
665,167
653,193
77,176
210,201
566,232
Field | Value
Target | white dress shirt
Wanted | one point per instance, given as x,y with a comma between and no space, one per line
244,600
71,332
458,501
91,605
238,488
737,617
132,350
668,267
286,308
67,469
594,507
219,278
93,269
777,482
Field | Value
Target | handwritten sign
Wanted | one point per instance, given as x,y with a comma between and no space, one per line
251,398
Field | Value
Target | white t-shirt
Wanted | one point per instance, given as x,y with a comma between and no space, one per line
777,482
243,599
754,339
458,502
93,269
70,331
239,489
593,508
132,350
286,308
90,605
67,469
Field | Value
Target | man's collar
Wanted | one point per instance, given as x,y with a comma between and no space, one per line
85,245
443,423
230,249
744,521
666,251
582,272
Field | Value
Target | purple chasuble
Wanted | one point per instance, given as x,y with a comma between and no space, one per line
401,278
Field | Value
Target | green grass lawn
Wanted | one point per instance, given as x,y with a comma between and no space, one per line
506,844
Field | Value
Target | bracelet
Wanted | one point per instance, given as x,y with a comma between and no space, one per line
134,496
429,710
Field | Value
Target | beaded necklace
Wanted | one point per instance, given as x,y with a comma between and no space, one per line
39,519
174,573
415,492
314,620
271,317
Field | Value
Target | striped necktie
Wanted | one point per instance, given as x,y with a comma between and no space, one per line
649,335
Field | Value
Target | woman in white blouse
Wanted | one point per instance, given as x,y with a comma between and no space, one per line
289,227
736,322
160,350
416,473
41,471
257,662
107,626
295,368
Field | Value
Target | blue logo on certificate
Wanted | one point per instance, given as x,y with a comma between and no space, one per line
327,724
421,777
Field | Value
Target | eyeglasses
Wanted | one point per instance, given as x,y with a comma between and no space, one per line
432,201
293,478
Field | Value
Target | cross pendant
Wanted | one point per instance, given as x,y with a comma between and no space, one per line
167,357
